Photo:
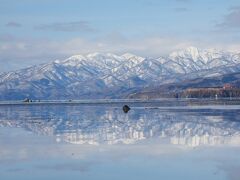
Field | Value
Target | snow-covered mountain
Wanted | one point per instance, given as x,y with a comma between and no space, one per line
106,75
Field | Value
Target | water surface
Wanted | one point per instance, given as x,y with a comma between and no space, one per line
155,140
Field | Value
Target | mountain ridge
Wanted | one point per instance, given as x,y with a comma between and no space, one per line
107,75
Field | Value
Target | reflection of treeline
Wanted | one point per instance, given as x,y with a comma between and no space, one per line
210,92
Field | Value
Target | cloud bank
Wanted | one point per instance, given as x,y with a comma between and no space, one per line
18,53
67,26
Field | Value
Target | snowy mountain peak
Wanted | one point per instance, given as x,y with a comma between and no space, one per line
129,55
132,57
107,75
193,52
73,60
190,52
77,57
103,58
200,56
98,55
192,49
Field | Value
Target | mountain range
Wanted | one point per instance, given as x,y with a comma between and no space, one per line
106,75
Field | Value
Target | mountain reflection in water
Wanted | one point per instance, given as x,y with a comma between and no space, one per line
101,124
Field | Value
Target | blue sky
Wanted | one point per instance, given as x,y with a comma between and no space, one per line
37,31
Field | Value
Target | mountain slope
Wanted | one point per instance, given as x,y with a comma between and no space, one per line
112,76
171,89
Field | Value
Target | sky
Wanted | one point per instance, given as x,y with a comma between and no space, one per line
40,31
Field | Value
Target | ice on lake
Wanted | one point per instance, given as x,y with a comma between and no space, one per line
154,140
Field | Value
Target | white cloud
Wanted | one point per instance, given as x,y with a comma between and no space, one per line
18,53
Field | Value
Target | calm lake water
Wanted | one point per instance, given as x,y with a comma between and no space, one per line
184,140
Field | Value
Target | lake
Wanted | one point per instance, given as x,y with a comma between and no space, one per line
162,139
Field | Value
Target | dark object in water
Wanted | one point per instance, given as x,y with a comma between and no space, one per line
126,108
26,100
